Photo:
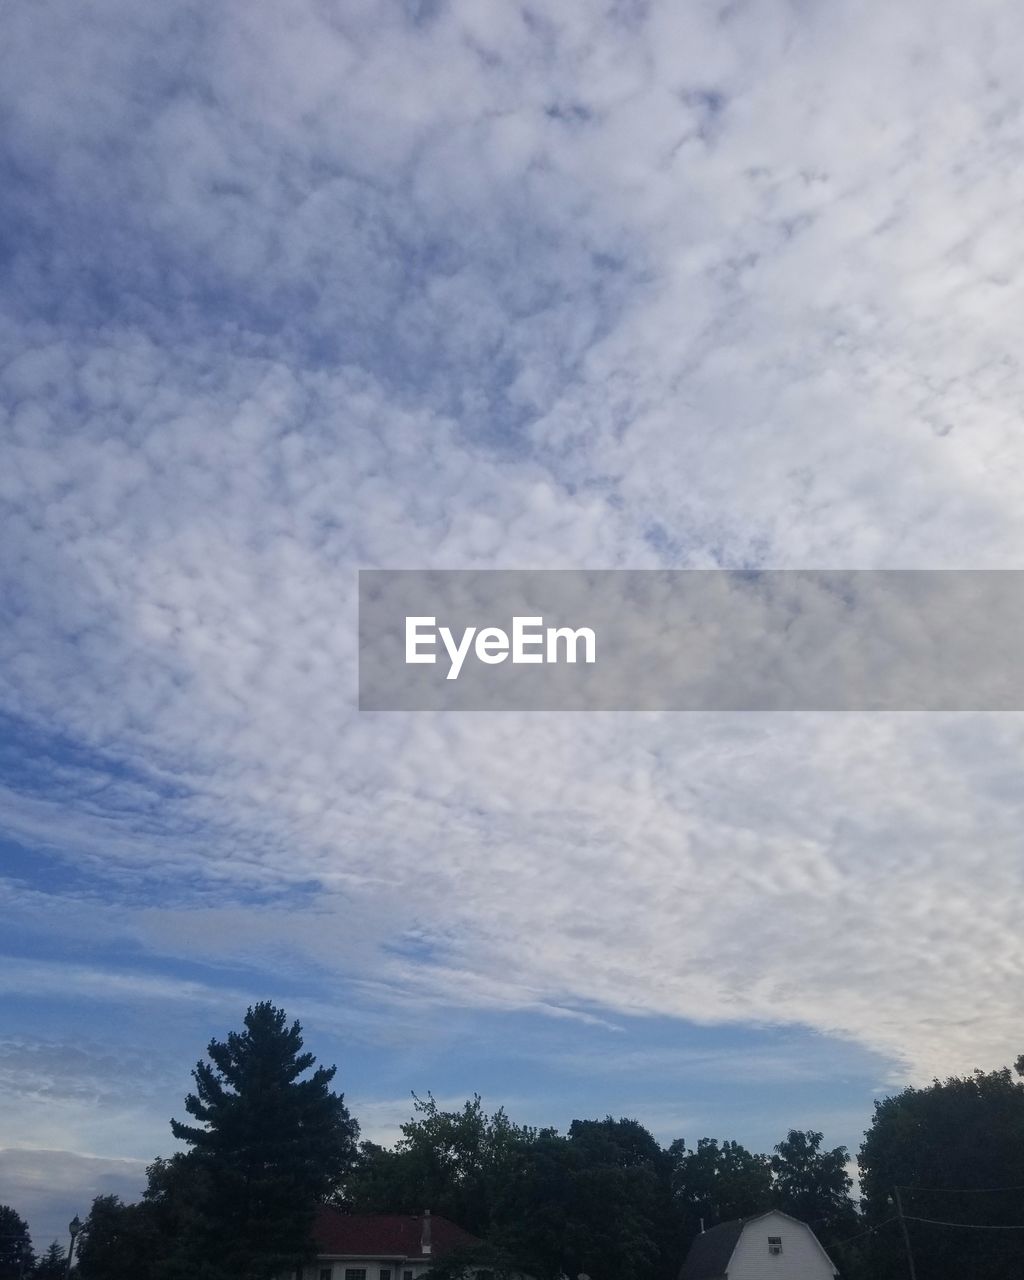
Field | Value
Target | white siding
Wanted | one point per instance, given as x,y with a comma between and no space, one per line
801,1258
372,1267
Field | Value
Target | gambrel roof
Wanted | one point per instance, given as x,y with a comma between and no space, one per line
711,1252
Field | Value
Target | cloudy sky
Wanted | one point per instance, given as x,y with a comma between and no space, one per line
294,289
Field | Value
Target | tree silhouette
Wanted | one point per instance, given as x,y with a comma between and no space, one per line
268,1144
16,1256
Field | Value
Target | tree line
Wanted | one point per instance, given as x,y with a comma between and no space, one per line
268,1141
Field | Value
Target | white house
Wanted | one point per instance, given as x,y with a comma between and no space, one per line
381,1246
771,1246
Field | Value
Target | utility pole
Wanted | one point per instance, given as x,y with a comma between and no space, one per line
906,1234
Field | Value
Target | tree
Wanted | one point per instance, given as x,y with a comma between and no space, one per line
468,1260
52,1264
534,1209
596,1200
16,1256
814,1186
716,1183
116,1243
269,1145
454,1161
956,1151
380,1181
621,1201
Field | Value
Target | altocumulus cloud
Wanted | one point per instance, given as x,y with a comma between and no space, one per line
303,288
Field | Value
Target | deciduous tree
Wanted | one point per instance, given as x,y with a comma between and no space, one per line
117,1242
716,1182
814,1185
956,1150
16,1256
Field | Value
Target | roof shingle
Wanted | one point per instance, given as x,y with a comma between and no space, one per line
385,1235
710,1252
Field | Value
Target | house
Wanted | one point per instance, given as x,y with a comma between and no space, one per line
380,1246
770,1246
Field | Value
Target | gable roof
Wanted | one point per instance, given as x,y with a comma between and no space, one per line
385,1235
711,1251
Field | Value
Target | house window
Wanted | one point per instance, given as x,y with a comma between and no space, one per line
775,1244
325,1273
385,1273
355,1273
406,1275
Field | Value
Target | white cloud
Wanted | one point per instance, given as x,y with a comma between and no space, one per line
692,287
52,1186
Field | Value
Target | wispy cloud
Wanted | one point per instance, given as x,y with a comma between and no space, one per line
290,292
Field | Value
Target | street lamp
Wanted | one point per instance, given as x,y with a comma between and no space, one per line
74,1226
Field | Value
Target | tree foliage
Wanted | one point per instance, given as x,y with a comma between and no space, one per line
268,1140
814,1185
534,1212
455,1162
16,1256
468,1260
949,1148
715,1182
621,1199
269,1146
595,1200
117,1241
52,1265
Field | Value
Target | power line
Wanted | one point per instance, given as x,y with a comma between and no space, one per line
964,1191
938,1222
860,1234
971,1226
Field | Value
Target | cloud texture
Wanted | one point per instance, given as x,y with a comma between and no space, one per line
292,290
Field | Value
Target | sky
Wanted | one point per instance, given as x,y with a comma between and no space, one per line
292,290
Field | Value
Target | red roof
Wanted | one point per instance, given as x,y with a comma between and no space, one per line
385,1235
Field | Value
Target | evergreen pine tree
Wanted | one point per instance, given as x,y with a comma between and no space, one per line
269,1146
51,1265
